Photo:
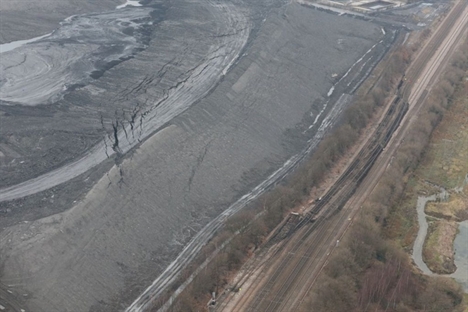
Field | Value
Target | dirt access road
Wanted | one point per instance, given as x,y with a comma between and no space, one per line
284,280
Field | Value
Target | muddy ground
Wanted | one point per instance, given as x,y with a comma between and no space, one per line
73,250
438,249
27,19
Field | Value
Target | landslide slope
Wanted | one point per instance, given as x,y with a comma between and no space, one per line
98,254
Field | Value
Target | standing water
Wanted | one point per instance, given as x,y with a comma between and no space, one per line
5,47
460,243
129,3
461,255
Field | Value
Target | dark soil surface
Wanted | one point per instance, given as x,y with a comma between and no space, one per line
94,242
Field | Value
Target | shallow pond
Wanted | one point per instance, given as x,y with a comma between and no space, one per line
461,255
460,243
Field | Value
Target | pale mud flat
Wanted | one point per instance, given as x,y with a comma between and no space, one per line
102,251
41,72
22,20
129,3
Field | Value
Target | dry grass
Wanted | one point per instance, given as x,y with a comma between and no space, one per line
455,209
445,161
438,250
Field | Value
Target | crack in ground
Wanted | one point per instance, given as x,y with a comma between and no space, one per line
200,159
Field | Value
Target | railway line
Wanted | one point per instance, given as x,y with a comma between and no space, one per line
327,208
312,226
294,267
349,82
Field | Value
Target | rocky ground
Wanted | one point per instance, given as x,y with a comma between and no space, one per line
97,253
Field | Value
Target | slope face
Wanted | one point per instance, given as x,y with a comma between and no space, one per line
100,253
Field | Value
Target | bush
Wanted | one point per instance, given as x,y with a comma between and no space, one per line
368,262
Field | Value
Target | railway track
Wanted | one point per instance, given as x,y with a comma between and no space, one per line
342,190
278,292
429,49
331,203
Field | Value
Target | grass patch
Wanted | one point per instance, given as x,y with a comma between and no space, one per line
445,160
438,251
443,164
455,209
401,225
